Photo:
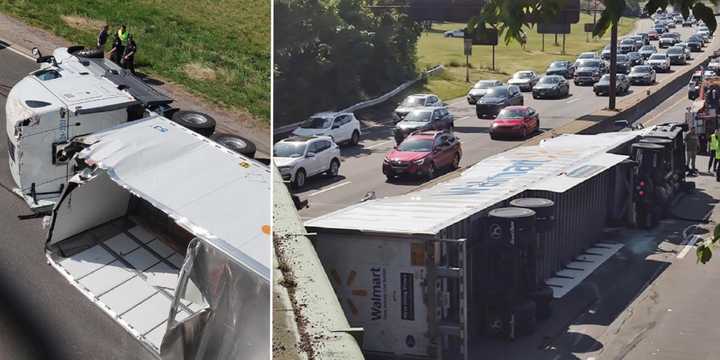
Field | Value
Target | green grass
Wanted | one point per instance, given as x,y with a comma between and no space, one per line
435,49
231,38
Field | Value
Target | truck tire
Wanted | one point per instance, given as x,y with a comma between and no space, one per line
198,122
91,53
525,320
236,143
543,298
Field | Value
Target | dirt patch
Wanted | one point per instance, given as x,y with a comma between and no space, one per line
82,23
199,71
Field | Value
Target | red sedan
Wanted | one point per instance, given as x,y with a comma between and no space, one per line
515,121
423,153
653,35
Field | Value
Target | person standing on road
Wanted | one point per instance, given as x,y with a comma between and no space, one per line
115,53
102,37
128,59
122,35
712,149
692,145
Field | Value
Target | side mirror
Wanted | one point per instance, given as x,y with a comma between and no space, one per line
36,53
310,155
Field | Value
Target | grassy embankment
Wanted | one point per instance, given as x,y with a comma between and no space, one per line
217,49
435,49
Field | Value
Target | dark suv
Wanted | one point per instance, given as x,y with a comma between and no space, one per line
496,99
429,118
589,71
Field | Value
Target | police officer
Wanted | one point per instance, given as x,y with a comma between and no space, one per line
692,144
128,59
117,50
122,35
102,37
712,150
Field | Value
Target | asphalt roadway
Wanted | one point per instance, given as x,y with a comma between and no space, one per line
41,315
361,169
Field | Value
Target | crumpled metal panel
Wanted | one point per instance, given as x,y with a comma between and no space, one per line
235,320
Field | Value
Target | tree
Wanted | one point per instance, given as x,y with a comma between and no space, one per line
704,249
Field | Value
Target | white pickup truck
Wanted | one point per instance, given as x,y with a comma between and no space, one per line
167,232
72,95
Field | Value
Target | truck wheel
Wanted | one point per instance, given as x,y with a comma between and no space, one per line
525,320
236,143
543,298
81,51
198,122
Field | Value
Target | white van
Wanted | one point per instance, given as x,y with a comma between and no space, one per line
167,232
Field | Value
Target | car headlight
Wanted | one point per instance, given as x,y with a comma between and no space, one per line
420,162
284,169
386,161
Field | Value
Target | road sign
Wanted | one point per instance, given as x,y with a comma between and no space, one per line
589,27
468,47
484,37
444,10
543,28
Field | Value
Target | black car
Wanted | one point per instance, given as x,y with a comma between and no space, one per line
589,71
551,86
622,84
623,64
695,43
647,50
642,74
677,56
496,99
429,118
634,58
563,68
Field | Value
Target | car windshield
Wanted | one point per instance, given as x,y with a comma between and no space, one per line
621,58
516,113
550,80
499,91
418,115
413,101
605,77
586,56
590,63
641,69
316,123
484,84
696,78
523,75
628,41
648,48
657,57
289,149
416,145
558,65
675,51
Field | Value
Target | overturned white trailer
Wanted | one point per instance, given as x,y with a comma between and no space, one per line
416,271
168,233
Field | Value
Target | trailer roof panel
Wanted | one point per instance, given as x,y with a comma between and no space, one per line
220,196
556,165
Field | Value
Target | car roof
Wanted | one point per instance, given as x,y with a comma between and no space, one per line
305,139
425,134
516,107
330,114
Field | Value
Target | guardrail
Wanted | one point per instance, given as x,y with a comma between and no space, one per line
372,102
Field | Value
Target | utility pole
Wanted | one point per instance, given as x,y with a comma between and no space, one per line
613,64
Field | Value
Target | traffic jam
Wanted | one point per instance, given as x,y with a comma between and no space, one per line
423,130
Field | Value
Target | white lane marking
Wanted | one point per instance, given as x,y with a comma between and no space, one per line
671,107
9,47
380,124
687,247
572,101
379,144
329,188
689,242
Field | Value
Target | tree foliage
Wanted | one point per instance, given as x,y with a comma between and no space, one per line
704,249
331,54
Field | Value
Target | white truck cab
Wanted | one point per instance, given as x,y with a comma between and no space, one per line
69,96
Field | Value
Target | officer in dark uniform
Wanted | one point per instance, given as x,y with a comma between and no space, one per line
128,59
116,53
102,37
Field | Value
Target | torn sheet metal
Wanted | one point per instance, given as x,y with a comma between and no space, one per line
214,193
486,183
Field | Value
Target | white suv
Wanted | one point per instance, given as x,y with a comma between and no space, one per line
341,127
298,158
